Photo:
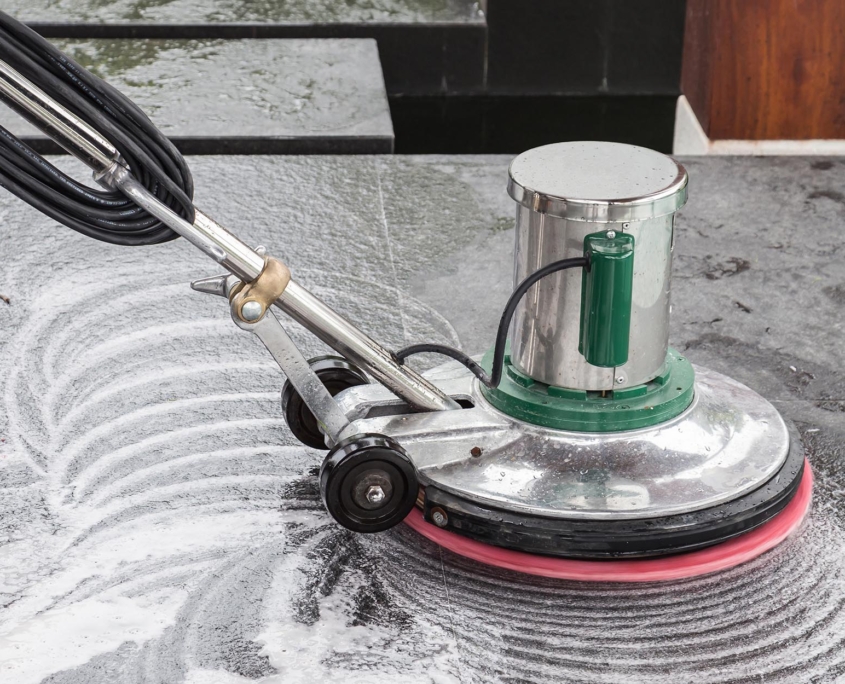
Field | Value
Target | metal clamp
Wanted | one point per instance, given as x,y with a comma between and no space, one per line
252,300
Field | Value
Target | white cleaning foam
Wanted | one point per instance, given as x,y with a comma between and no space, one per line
63,638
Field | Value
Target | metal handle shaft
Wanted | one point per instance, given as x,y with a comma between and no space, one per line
81,140
42,111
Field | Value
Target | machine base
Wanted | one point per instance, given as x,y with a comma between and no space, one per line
620,538
724,466
728,554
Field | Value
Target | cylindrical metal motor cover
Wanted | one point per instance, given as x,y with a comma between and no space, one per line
565,192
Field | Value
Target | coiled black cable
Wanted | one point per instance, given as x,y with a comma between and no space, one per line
153,160
494,378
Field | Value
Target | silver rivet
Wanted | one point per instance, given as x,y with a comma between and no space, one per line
375,494
438,517
620,380
251,311
611,234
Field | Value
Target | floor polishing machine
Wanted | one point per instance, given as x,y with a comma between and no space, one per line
580,446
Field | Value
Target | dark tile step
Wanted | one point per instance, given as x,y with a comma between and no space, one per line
245,96
513,123
426,47
585,46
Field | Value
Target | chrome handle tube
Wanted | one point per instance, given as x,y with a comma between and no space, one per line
78,138
344,337
204,233
316,316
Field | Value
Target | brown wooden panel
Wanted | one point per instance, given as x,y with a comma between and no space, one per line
696,70
766,69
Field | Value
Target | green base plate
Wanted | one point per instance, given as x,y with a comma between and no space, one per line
630,408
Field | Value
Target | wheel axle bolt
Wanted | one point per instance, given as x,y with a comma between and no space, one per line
251,311
439,517
375,494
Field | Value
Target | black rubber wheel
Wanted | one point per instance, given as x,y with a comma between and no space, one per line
337,374
368,483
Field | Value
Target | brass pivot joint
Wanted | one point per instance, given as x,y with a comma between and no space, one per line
250,301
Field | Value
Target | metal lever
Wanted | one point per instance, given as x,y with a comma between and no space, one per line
330,418
269,330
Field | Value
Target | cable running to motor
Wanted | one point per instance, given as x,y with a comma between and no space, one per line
492,380
102,214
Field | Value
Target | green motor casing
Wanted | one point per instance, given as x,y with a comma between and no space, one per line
606,299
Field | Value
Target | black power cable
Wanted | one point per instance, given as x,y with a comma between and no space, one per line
153,160
495,376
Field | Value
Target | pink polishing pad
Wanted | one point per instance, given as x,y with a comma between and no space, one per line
712,559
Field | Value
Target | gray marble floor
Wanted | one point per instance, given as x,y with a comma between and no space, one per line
158,523
244,96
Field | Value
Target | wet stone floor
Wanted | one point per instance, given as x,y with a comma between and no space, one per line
256,11
159,524
244,96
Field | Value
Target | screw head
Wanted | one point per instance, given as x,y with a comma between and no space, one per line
251,311
475,452
620,380
439,517
611,234
375,494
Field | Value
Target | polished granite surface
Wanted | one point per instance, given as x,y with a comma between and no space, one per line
158,522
